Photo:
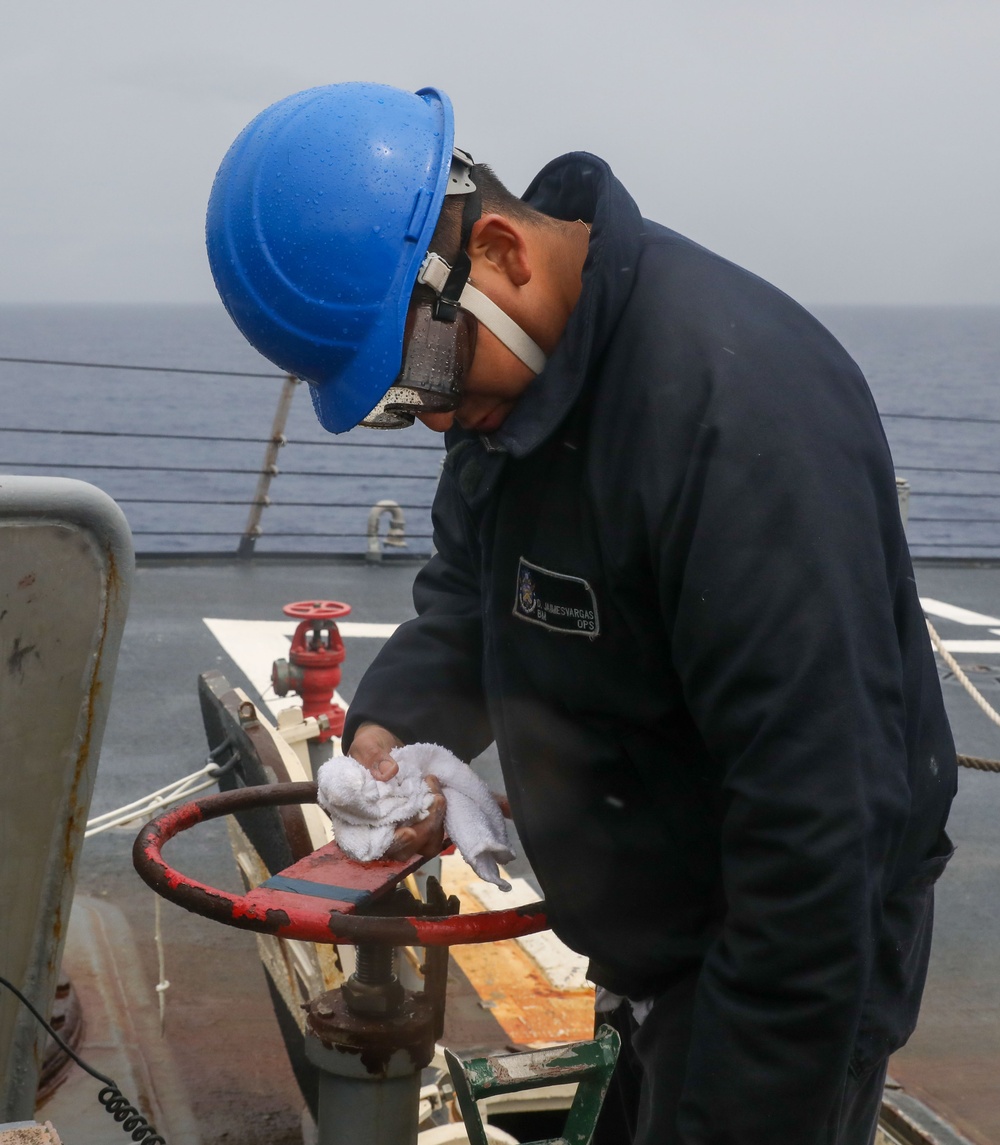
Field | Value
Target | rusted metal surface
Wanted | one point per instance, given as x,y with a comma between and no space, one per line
66,1019
905,1120
122,1037
512,987
65,570
329,886
375,1038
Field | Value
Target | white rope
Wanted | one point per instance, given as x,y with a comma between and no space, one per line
148,805
163,985
964,680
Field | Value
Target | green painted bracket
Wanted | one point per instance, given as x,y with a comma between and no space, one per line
590,1064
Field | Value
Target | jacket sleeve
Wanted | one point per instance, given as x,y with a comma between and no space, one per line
425,685
777,552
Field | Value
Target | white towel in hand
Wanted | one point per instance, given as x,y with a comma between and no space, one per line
366,811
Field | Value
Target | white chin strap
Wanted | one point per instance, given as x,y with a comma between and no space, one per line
434,273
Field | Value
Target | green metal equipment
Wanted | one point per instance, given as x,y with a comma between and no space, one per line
590,1064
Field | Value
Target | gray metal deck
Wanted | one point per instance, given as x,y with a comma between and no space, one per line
231,1073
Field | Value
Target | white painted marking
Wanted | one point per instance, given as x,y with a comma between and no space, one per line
564,968
959,615
379,631
255,644
972,645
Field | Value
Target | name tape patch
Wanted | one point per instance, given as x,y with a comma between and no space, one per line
555,601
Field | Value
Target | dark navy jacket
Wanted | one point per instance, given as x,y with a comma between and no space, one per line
675,588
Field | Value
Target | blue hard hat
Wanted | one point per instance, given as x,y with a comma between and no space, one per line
318,221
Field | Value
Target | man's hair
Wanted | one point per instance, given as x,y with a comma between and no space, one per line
496,199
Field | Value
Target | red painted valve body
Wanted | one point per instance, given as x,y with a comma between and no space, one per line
316,655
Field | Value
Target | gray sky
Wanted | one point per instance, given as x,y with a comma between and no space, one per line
847,150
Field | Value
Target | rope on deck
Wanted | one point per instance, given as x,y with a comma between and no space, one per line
979,764
990,712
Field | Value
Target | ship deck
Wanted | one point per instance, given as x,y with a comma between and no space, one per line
220,1070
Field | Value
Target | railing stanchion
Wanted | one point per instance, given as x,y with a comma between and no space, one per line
269,469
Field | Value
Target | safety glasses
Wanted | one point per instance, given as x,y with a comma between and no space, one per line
436,357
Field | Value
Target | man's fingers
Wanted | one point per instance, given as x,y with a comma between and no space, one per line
403,844
371,747
426,836
384,768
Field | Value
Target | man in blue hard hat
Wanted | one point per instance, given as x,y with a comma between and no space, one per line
671,582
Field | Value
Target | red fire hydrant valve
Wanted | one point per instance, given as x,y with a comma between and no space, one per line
312,670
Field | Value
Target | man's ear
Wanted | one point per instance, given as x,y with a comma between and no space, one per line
498,246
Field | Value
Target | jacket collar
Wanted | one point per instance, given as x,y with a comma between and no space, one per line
576,186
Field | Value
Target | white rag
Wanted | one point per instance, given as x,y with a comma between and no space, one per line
366,811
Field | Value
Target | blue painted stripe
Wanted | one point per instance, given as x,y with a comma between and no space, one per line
317,890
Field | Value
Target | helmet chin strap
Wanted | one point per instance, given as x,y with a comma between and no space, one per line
434,272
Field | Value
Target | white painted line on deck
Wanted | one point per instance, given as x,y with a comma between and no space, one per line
564,968
972,645
959,615
255,644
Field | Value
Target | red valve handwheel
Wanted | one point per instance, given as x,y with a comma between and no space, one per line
316,898
317,609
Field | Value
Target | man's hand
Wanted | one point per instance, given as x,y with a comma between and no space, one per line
425,837
371,746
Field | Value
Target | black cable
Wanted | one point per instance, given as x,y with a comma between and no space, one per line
132,1121
79,1061
221,769
214,754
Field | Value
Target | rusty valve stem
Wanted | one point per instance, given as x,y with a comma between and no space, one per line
373,988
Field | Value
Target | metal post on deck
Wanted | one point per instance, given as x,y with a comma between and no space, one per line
268,470
903,497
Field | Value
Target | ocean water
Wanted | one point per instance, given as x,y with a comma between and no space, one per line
185,495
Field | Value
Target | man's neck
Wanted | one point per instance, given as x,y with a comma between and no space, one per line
558,252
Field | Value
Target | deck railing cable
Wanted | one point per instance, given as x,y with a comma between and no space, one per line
967,418
143,369
214,438
276,377
215,469
269,470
